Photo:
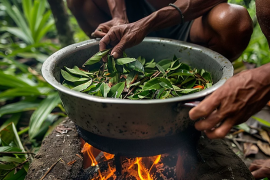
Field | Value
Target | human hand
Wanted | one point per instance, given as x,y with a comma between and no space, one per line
122,37
239,98
104,28
260,168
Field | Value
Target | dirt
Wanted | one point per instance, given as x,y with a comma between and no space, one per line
62,143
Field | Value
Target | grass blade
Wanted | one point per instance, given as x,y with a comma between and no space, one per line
18,107
264,122
43,110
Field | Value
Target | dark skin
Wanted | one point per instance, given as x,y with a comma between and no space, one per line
217,25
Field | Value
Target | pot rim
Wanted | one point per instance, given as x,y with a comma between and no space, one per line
49,65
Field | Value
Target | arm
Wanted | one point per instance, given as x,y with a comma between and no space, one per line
128,35
241,96
119,16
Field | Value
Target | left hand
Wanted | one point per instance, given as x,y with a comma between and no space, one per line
260,168
233,103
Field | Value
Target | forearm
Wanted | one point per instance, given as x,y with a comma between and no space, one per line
169,16
263,15
118,9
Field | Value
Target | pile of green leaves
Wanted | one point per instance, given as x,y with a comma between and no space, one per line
130,78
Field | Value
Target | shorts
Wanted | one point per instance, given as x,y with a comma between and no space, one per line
138,9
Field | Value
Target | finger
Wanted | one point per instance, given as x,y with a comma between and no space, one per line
98,34
119,48
221,131
104,42
210,122
205,108
258,174
254,167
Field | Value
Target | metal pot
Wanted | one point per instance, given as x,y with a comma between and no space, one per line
134,119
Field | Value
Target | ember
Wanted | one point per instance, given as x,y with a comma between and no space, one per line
138,168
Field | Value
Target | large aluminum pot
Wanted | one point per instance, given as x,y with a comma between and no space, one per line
134,119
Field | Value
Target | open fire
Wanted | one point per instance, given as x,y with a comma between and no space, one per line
138,168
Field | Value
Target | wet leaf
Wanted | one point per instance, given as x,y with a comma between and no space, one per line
104,88
82,86
76,71
165,83
264,147
249,149
182,72
122,61
96,58
116,90
152,84
136,66
72,78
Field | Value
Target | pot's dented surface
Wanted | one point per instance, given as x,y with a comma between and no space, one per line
134,119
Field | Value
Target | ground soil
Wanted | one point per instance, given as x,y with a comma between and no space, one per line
62,143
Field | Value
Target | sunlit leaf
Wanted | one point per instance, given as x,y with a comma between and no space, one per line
96,58
82,86
104,88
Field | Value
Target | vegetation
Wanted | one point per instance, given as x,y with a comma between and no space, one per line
29,106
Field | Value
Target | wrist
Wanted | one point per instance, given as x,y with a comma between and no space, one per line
120,20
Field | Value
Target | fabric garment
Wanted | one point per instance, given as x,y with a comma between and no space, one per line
139,9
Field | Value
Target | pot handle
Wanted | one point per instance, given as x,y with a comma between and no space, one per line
192,103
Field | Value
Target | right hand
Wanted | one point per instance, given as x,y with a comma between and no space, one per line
122,37
104,28
260,168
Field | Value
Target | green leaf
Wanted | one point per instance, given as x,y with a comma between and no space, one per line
208,85
95,89
14,118
111,64
9,149
136,66
82,86
68,84
152,84
165,63
187,91
160,68
190,84
96,58
150,64
18,107
11,159
9,135
165,94
175,65
207,76
76,71
142,60
182,72
184,66
165,83
41,113
116,90
12,81
262,121
188,79
32,91
72,78
115,79
122,61
243,126
144,94
104,88
130,78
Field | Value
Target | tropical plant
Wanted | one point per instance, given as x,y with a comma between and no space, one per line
32,24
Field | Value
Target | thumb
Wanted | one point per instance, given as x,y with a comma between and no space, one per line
118,49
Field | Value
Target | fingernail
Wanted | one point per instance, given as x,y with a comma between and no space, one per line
115,54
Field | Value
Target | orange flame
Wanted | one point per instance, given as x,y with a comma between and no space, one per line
144,173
